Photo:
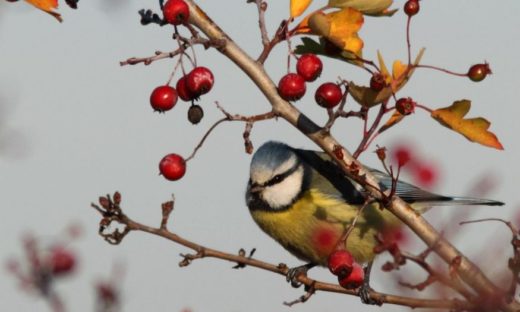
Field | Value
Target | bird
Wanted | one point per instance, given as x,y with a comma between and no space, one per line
305,202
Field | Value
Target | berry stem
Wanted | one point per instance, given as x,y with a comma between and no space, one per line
429,110
408,39
440,69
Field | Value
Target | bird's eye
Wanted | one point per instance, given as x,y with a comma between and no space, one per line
277,179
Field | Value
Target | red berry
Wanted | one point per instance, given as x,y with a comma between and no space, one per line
309,66
426,175
172,167
328,95
176,12
354,279
340,263
163,98
182,90
377,82
411,7
478,72
291,87
200,81
403,155
62,261
405,106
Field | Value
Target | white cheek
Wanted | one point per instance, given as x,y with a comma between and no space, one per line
283,193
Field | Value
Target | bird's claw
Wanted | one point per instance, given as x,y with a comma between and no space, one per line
293,273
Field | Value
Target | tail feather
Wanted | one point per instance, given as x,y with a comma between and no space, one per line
468,201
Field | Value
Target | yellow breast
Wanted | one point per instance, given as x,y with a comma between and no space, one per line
311,228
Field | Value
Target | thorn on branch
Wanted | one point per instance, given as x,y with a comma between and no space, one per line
188,258
242,253
167,209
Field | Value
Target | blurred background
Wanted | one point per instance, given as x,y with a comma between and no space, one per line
75,125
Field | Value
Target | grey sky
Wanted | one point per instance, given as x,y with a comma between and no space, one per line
83,127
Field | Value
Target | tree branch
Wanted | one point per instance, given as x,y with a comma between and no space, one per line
468,271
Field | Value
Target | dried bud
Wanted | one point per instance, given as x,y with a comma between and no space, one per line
104,202
195,114
381,153
117,198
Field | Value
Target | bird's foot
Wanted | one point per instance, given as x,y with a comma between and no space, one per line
365,289
293,273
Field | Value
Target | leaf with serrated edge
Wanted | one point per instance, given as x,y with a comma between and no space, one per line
474,129
298,7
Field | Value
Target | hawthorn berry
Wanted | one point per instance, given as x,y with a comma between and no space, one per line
403,155
340,263
377,82
425,175
172,167
309,66
354,279
411,7
200,81
195,114
405,106
163,98
182,90
61,261
328,95
478,72
291,87
176,12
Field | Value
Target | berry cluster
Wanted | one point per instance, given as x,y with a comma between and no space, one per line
350,274
189,88
292,86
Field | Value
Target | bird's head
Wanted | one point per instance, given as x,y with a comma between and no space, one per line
276,177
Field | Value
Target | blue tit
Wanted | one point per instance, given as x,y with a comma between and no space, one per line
304,201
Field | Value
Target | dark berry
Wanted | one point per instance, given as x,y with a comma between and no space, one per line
377,82
340,263
411,7
200,81
172,167
354,279
163,98
478,72
182,90
291,87
405,106
195,114
328,95
309,66
62,261
176,12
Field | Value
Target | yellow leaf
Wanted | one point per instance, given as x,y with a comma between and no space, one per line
383,69
339,27
366,96
298,7
394,119
398,69
474,129
47,6
368,7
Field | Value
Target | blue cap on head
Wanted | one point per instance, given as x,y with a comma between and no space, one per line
271,155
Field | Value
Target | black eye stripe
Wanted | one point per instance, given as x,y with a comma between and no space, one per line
280,177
